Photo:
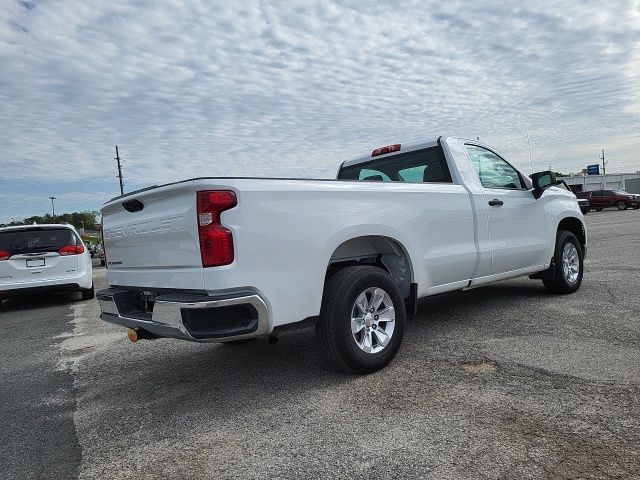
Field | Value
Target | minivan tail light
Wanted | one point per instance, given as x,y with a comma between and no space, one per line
4,255
71,250
216,241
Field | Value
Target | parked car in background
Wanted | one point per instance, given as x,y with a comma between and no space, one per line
231,259
635,198
599,199
44,258
100,252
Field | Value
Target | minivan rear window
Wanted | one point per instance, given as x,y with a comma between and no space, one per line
36,240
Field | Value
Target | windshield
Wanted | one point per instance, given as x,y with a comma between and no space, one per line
36,240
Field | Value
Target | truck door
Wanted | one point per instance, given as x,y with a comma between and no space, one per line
518,223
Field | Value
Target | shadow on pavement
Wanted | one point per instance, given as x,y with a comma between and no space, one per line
35,301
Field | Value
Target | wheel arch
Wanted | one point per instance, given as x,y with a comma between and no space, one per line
577,227
382,251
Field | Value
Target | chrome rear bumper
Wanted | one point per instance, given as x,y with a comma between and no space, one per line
193,317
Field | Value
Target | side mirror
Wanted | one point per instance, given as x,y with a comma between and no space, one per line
542,181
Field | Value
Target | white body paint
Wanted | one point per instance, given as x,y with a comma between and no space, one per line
287,232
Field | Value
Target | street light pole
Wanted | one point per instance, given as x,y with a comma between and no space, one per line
53,209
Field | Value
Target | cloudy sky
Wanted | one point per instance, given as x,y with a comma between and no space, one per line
292,88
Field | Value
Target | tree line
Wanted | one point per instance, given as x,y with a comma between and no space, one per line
88,219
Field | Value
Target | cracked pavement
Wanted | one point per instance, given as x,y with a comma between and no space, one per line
505,381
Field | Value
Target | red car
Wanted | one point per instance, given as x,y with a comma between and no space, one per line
599,199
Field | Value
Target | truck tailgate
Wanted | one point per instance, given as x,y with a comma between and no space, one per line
151,238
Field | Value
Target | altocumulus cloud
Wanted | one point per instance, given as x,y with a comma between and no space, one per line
294,87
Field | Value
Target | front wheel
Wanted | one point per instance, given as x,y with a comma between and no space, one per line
599,209
361,320
568,264
622,205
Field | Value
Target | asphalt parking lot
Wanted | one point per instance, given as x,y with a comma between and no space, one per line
505,381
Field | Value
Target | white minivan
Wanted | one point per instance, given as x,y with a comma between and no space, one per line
44,258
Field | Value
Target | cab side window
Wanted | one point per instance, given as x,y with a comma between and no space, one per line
493,171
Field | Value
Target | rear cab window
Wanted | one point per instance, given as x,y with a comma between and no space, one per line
427,165
36,240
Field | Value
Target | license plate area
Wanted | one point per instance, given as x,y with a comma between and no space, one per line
35,262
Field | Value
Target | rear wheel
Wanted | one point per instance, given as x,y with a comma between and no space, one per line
622,205
567,266
362,319
88,294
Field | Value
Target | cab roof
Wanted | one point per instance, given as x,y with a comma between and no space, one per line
429,141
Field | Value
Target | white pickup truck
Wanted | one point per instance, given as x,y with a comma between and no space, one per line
221,259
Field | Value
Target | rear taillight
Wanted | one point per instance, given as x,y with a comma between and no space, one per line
216,241
71,250
4,255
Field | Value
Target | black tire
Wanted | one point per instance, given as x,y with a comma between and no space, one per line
333,329
585,210
88,294
102,263
622,205
599,209
559,283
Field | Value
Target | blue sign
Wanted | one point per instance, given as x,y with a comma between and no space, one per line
593,169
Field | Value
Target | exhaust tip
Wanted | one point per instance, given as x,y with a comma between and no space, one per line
132,333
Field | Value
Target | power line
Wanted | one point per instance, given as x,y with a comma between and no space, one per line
117,158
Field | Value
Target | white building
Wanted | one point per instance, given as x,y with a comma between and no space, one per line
611,181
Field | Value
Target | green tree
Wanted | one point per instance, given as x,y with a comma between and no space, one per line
88,219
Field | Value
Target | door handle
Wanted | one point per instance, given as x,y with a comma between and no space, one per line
495,202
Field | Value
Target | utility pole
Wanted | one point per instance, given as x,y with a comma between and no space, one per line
53,209
117,158
604,163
